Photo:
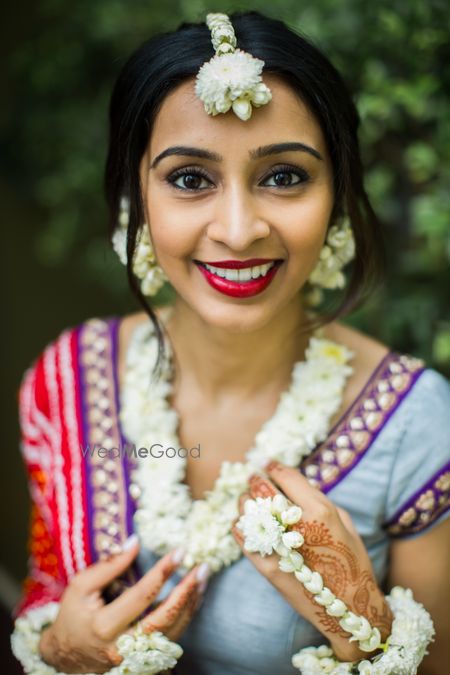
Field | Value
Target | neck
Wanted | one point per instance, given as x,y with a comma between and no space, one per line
223,363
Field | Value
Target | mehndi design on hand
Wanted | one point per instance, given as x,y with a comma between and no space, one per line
267,527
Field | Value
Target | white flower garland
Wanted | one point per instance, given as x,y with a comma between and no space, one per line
166,516
412,631
231,78
145,266
264,525
338,250
143,653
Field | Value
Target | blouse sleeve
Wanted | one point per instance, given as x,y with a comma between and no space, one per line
45,580
419,488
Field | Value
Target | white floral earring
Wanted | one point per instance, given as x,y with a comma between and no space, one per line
145,266
337,251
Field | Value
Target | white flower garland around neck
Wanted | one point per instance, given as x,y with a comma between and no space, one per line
166,516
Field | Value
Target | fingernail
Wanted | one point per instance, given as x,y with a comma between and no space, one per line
178,555
130,542
202,586
202,575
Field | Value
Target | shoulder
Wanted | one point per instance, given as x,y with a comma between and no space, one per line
368,354
368,351
426,422
419,488
417,427
429,397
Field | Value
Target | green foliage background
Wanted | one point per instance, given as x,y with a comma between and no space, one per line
394,56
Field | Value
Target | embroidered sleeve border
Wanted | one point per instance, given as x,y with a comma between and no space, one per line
424,507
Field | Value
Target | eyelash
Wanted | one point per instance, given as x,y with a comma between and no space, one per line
197,171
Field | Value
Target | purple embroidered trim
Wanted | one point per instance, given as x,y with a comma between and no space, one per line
105,486
358,428
133,573
424,507
84,440
128,463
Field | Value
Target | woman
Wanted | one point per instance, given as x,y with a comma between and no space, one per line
205,178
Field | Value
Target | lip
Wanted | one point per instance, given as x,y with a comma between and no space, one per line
239,289
238,264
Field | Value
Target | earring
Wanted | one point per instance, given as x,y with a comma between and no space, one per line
337,251
145,266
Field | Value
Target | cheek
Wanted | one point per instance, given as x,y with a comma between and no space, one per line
304,230
173,230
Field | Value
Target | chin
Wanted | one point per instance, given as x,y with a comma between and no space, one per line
237,317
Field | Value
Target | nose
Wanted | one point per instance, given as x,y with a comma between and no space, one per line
237,221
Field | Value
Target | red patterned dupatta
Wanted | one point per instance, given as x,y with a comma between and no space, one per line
81,508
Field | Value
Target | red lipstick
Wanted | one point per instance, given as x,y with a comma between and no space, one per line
238,264
239,289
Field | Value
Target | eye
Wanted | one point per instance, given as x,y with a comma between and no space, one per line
190,179
282,175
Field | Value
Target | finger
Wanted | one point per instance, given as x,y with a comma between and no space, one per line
191,608
186,615
100,574
119,613
259,486
183,597
296,487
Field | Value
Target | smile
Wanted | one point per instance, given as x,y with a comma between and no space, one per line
237,280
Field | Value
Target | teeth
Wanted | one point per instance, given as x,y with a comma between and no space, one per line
244,274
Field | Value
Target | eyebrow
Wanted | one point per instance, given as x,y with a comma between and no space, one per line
262,151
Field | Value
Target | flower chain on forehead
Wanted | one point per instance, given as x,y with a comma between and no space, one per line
231,78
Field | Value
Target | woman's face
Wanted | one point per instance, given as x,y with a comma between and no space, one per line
227,194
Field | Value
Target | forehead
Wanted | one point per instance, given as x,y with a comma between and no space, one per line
182,120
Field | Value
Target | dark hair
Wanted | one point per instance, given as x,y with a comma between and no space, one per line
167,59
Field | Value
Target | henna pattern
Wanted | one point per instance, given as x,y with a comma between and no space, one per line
331,569
317,534
186,601
361,601
314,533
260,487
339,568
362,594
329,623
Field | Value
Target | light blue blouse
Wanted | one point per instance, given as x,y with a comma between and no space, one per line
244,625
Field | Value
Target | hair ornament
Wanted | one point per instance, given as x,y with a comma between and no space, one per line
231,78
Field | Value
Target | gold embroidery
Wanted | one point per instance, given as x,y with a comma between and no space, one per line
443,482
408,517
426,501
357,429
425,508
106,475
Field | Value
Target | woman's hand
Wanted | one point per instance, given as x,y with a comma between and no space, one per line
81,640
333,548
